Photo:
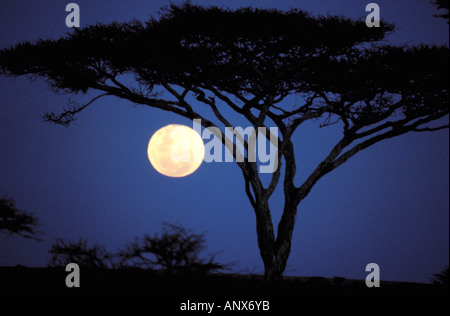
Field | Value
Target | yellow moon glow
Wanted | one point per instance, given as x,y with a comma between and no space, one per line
176,150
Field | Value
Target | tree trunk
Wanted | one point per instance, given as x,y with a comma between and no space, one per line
275,252
273,271
285,230
266,239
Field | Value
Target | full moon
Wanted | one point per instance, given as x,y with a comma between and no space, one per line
176,150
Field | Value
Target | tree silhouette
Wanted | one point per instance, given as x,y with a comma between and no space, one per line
443,5
15,221
442,278
79,252
249,61
176,250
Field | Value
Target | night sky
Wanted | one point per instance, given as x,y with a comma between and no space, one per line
389,204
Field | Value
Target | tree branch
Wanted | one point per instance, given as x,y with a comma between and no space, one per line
275,177
335,158
172,106
68,116
430,129
179,97
302,109
248,191
395,131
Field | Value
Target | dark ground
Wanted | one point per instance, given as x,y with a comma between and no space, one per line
51,281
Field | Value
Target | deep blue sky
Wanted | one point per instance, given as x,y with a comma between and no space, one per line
388,205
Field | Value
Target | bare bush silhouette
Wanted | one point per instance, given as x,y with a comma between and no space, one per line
441,278
15,221
176,250
79,252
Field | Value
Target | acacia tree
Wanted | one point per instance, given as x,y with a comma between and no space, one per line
15,221
249,61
